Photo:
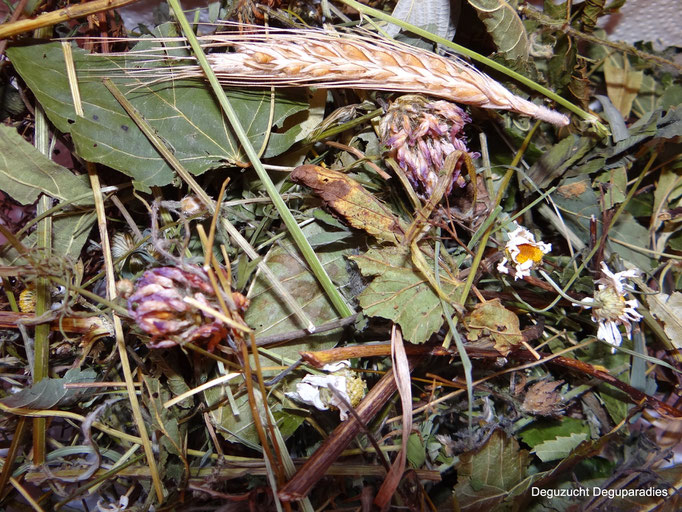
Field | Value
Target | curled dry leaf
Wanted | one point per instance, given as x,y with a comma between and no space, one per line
494,320
543,399
350,200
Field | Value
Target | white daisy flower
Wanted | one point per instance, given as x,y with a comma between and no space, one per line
609,307
522,252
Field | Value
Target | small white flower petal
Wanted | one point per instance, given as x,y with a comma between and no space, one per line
502,266
608,331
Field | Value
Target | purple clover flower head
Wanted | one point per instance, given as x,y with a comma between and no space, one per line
159,309
420,133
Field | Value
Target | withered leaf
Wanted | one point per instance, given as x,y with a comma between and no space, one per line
350,200
493,319
486,476
542,398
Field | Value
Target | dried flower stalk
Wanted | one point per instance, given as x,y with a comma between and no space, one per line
353,59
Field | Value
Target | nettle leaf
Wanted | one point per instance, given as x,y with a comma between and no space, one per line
49,393
401,293
559,447
505,27
546,430
184,113
485,476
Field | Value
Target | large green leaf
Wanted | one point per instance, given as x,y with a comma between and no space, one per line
49,393
268,315
559,447
25,174
401,293
184,113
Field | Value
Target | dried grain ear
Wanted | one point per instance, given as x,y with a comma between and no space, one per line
356,59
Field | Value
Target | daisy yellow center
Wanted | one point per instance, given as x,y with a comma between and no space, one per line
609,304
528,252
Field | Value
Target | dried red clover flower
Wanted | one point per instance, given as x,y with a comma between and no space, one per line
158,307
420,133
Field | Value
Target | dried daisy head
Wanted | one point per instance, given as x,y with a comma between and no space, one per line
420,133
522,252
610,308
159,308
315,390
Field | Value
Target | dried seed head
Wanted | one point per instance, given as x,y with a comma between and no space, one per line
159,308
190,205
349,59
420,133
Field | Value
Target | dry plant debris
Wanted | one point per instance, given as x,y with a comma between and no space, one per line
361,280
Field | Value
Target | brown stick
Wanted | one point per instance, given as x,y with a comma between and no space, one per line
52,18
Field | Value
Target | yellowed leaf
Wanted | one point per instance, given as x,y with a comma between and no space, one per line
622,84
350,200
493,319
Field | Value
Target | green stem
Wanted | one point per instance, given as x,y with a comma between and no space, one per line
498,199
288,219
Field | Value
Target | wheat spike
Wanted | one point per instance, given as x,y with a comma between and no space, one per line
354,59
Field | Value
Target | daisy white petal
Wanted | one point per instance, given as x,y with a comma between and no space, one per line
610,309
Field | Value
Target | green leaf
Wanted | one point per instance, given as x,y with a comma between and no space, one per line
268,315
49,393
505,27
579,203
25,173
541,431
416,451
164,419
616,184
558,159
559,447
239,428
401,293
485,476
184,113
628,230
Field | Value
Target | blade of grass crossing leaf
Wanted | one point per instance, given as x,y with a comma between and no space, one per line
41,360
466,362
288,463
311,258
593,120
168,155
111,289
